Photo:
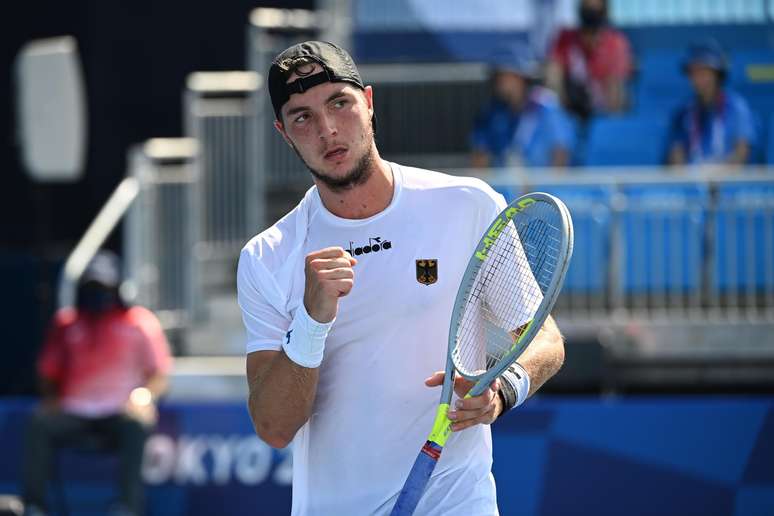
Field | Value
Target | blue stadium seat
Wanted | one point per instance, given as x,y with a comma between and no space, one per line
662,238
591,216
627,140
659,85
744,239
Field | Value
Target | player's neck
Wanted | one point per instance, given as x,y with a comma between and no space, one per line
363,200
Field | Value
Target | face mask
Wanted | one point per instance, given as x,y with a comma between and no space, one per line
591,18
95,299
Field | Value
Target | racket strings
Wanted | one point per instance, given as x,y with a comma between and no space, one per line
503,297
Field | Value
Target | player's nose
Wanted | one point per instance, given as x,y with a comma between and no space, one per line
327,126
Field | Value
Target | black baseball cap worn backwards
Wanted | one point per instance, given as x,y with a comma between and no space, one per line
337,66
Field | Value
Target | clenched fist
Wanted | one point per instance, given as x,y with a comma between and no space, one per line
329,276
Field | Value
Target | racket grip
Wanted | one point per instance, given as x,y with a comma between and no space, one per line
417,480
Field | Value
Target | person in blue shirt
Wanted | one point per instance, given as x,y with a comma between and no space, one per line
716,126
523,124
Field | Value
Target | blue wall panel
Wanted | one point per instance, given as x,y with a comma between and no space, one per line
553,456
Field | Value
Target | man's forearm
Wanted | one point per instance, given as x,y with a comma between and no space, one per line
544,356
281,397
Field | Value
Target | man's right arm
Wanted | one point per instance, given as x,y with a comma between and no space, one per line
282,389
281,395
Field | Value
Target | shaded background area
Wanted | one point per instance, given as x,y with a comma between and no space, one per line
135,57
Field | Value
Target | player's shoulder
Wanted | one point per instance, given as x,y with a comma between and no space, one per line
418,181
274,244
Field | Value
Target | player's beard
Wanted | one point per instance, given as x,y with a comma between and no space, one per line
358,175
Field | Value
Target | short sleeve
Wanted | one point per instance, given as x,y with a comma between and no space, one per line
559,129
745,124
495,203
157,358
264,324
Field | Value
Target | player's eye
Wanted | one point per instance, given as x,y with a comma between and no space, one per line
303,117
339,103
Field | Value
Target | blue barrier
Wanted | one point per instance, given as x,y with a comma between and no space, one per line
744,238
553,456
662,238
590,208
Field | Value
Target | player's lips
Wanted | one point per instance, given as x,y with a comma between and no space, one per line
336,153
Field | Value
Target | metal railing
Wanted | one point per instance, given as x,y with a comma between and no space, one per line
220,115
95,236
662,244
161,230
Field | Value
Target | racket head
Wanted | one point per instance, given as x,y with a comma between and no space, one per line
510,285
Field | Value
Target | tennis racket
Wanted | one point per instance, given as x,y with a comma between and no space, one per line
508,289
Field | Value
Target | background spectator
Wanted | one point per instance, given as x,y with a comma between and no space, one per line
102,366
716,126
589,66
524,124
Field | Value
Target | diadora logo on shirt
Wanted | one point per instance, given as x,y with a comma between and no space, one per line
374,245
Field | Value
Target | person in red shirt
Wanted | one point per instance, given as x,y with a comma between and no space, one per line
101,367
589,66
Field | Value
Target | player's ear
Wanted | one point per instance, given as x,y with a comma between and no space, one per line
281,129
368,92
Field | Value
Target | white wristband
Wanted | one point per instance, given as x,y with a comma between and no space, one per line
521,384
304,342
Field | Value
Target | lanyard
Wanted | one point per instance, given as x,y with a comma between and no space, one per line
525,130
717,132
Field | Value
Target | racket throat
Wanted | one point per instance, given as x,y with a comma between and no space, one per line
441,427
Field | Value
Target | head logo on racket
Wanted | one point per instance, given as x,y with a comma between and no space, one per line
497,227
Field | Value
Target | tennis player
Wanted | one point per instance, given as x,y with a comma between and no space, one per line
346,301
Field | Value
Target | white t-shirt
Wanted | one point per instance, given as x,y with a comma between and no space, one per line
372,413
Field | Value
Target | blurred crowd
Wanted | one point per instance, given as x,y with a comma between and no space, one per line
541,107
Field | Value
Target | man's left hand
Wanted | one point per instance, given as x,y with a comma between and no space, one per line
482,409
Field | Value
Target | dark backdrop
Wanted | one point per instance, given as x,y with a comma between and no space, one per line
135,55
